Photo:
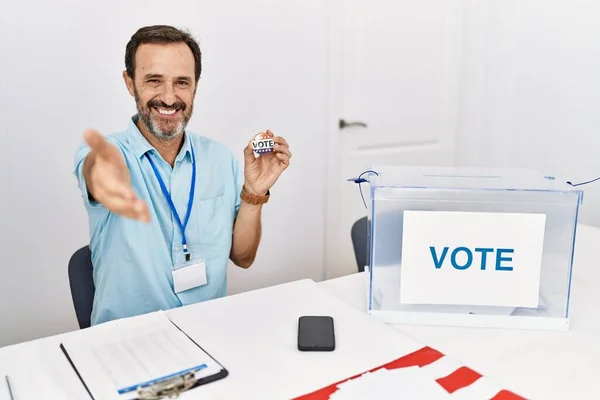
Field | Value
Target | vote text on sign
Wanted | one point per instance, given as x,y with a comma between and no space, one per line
471,258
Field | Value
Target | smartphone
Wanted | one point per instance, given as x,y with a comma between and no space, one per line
316,333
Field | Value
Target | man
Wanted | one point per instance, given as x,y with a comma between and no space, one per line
167,208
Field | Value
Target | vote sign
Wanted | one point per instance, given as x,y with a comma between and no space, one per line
471,258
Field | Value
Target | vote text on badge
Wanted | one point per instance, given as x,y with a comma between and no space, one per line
262,146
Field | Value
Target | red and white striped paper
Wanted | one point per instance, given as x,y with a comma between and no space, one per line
458,380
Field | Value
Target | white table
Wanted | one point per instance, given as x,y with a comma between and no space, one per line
537,364
254,335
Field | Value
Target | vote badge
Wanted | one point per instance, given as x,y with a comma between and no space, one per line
262,143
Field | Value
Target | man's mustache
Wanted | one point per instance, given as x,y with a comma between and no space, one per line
178,105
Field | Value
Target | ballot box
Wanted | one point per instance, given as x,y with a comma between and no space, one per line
470,246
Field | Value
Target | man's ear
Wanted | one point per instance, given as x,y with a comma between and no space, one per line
128,83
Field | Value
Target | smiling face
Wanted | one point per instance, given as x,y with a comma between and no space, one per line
164,88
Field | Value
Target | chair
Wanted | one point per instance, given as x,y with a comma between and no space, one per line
360,241
82,285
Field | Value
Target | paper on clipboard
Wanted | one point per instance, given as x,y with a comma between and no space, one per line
115,358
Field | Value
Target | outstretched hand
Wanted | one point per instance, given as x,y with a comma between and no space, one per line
261,173
108,180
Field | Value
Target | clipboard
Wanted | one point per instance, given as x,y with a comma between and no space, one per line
162,387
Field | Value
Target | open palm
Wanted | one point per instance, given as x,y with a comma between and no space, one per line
108,180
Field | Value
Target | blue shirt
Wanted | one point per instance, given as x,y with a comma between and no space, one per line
133,260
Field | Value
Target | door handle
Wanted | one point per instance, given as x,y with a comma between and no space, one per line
345,124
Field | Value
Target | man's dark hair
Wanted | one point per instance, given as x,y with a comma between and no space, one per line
160,34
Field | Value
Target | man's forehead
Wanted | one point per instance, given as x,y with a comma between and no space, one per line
165,59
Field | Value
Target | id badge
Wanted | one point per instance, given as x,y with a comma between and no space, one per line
189,276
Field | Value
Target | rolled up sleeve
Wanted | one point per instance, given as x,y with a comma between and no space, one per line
80,155
238,173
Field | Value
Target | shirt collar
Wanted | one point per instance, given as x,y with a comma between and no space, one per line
186,148
141,146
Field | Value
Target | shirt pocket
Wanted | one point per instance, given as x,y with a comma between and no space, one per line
213,224
213,221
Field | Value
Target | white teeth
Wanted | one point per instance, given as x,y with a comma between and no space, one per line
166,112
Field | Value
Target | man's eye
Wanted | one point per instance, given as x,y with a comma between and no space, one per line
153,80
182,83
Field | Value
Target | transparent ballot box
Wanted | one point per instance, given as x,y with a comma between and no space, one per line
470,247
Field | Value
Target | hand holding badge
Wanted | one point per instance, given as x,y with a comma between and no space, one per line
266,156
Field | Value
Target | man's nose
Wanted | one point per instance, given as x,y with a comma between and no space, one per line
168,94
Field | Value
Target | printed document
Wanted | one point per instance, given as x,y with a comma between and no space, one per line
117,357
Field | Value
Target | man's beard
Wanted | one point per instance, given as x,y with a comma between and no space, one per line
163,129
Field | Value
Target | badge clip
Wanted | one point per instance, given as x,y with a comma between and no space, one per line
187,254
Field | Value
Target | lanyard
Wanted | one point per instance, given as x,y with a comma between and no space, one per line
183,225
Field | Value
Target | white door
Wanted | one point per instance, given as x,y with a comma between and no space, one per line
394,68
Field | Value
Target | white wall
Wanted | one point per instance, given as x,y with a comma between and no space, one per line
530,89
529,83
264,67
